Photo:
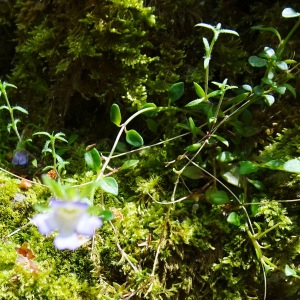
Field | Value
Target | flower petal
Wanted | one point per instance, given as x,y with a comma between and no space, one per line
67,215
88,224
20,158
70,242
45,223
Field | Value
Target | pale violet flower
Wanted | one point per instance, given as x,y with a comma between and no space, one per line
71,219
20,158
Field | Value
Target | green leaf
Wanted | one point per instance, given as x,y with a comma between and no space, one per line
122,147
290,13
192,172
73,138
257,90
5,84
59,136
267,81
115,114
292,165
151,113
34,163
192,127
232,176
257,62
269,99
271,29
106,215
152,125
176,91
282,65
4,107
221,139
214,94
206,44
247,130
268,53
247,87
134,139
234,218
128,164
41,207
280,89
193,147
206,26
237,99
291,89
273,165
86,191
289,271
206,62
195,102
109,185
43,133
21,109
214,196
247,167
93,160
55,187
225,156
254,207
199,90
258,184
229,31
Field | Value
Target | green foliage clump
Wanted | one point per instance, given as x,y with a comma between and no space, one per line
283,147
99,51
186,225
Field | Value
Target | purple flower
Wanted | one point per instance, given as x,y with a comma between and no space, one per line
70,219
20,158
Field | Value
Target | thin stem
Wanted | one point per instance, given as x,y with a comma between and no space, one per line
282,46
123,126
13,122
53,153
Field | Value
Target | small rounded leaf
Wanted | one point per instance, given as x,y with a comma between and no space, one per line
282,65
234,218
150,113
254,207
289,271
247,87
128,164
247,167
176,91
225,156
134,139
233,176
106,215
258,184
257,90
93,160
214,196
280,89
192,172
115,114
292,165
256,61
109,185
269,99
290,13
